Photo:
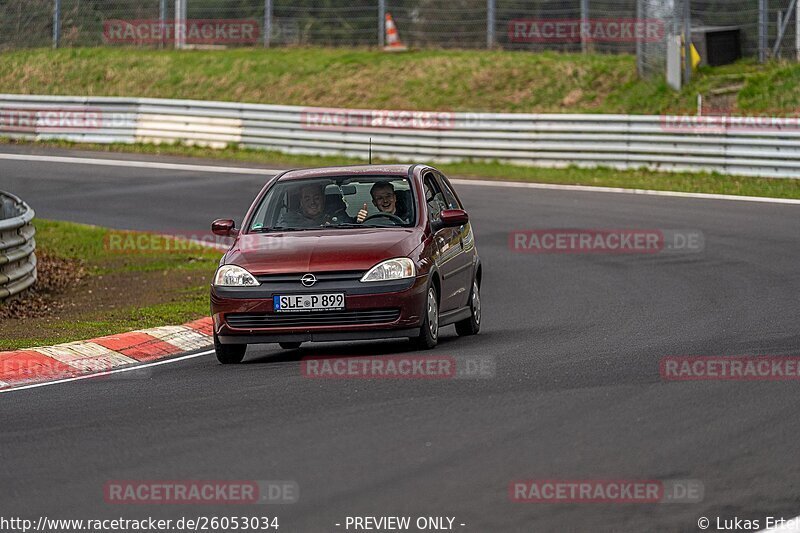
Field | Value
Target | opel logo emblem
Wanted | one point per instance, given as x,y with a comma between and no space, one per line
308,280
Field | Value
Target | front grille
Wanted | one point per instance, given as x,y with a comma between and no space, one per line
319,318
346,275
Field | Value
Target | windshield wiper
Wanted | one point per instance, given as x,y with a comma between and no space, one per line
278,228
346,225
323,226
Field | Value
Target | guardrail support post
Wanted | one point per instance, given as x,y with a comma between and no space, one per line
490,22
180,23
763,22
639,48
687,41
56,23
162,21
783,23
584,22
267,23
381,23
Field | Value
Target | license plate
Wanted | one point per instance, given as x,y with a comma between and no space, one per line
308,302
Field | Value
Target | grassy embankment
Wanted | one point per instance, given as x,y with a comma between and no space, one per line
454,80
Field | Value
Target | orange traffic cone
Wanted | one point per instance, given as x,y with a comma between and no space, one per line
393,43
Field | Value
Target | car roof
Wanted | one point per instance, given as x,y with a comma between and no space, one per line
352,170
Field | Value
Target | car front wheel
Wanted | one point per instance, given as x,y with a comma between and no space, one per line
429,332
229,354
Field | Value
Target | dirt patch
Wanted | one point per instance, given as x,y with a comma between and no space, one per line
54,277
62,304
572,98
720,103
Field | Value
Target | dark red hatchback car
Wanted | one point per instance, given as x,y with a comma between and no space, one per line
347,253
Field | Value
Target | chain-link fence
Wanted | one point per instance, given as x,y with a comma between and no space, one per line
652,56
613,26
757,23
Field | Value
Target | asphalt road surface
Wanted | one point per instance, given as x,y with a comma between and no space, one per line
577,394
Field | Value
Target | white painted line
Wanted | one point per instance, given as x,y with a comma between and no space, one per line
648,192
118,371
480,183
792,525
139,164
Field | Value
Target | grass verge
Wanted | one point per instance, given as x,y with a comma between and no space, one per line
601,177
450,80
124,288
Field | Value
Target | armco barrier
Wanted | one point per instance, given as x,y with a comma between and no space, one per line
731,145
17,246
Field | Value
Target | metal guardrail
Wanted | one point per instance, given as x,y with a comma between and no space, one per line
748,146
17,246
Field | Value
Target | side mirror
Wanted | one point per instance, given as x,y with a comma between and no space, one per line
224,227
453,217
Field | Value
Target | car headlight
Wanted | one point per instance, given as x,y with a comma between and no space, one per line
234,276
399,268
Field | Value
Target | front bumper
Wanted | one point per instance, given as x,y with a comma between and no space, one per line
396,309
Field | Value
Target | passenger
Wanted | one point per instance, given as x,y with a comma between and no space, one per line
312,210
385,199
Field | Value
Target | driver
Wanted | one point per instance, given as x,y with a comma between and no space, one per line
312,210
385,199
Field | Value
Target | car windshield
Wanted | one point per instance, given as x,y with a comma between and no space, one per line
345,202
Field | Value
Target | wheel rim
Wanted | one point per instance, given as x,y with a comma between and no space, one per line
476,303
433,313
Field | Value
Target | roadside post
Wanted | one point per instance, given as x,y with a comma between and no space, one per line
267,22
56,23
490,22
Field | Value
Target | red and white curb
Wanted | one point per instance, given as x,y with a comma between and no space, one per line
102,355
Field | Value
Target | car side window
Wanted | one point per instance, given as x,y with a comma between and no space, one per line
269,213
449,196
433,197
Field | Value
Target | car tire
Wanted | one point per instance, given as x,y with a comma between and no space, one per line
429,332
471,325
290,345
229,354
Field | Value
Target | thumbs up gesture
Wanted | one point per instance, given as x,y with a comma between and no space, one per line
362,214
